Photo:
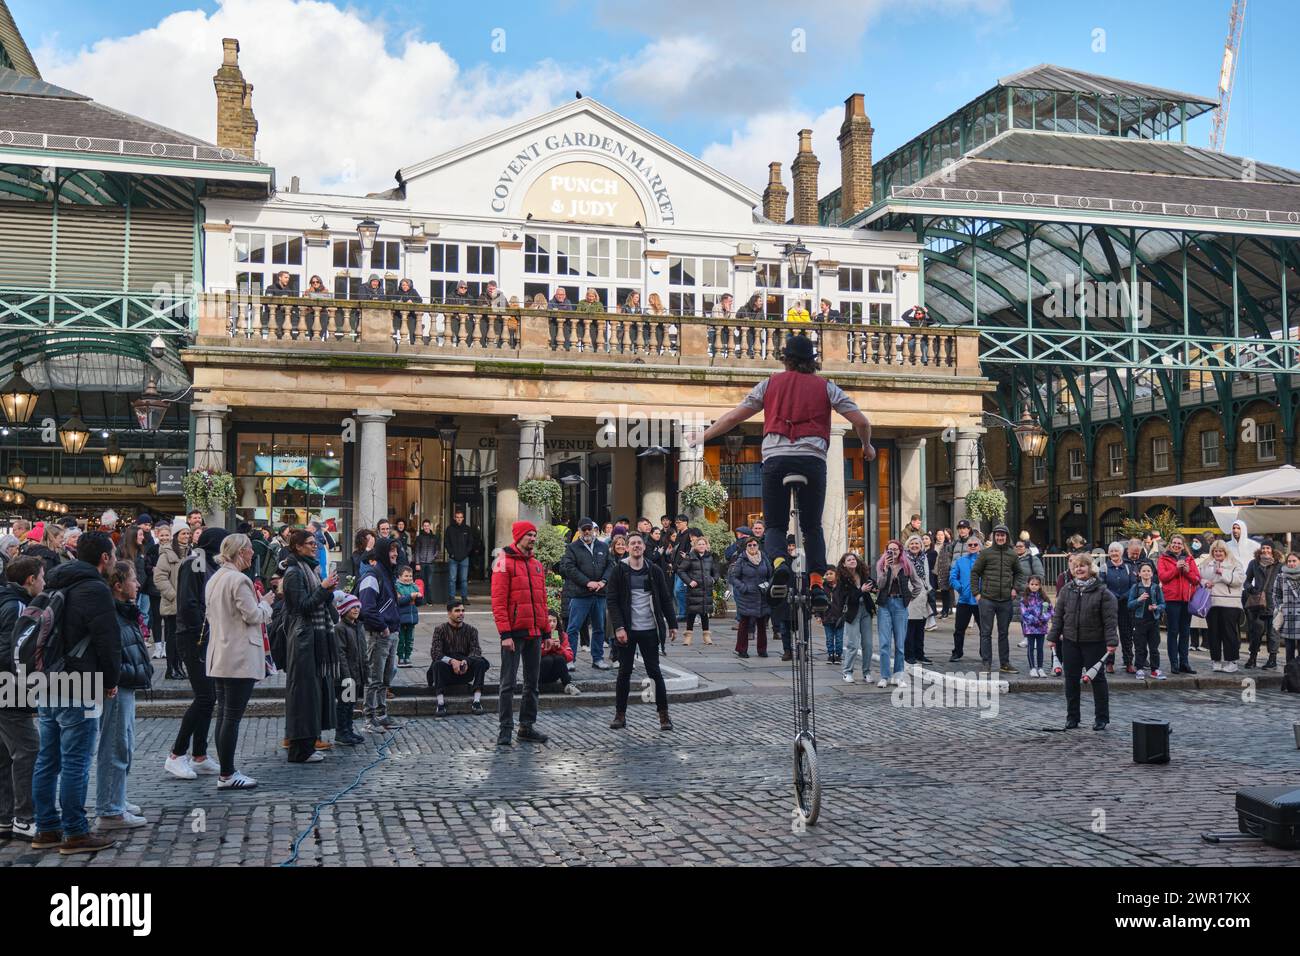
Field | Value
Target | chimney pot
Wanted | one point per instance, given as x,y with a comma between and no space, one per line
804,172
855,158
230,52
775,195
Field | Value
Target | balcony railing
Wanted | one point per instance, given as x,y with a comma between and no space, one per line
431,330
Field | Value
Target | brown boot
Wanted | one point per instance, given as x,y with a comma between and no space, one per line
48,840
707,638
619,721
86,843
664,722
324,745
686,641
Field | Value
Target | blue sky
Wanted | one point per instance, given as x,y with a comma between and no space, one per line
719,80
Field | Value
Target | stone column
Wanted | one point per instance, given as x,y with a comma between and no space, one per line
911,475
371,499
966,468
690,469
835,517
210,446
624,499
507,486
654,491
532,459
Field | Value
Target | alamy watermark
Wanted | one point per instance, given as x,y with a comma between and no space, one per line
932,690
1104,300
621,429
39,689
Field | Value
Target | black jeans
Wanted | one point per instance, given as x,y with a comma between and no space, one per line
648,642
914,645
443,675
554,670
232,699
169,642
811,499
198,716
1225,639
991,612
964,614
1075,659
1124,621
529,650
1146,643
1259,627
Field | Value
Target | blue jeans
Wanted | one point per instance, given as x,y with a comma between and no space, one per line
1035,649
458,578
142,602
857,641
891,625
63,762
1180,633
116,743
811,498
590,609
834,638
679,594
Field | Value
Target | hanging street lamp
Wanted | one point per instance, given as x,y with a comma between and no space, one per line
74,434
114,460
18,398
1030,436
17,478
798,255
149,408
367,231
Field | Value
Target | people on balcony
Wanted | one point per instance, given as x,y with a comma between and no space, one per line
316,289
590,305
373,289
282,286
724,309
655,306
406,293
828,314
754,309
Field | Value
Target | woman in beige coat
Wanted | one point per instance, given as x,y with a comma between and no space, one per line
236,658
1224,576
166,573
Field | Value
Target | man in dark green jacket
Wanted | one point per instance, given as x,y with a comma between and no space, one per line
997,580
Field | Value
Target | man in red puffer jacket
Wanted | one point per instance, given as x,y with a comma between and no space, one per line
519,608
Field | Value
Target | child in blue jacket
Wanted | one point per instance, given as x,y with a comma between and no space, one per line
1146,604
959,578
408,596
1035,619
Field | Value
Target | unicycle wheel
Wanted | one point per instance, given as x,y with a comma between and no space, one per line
807,783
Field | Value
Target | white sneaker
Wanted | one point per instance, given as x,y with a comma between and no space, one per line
316,757
179,767
1023,643
236,781
570,666
601,665
1140,675
132,808
1216,665
882,683
573,690
848,678
897,681
24,828
1230,667
206,767
127,821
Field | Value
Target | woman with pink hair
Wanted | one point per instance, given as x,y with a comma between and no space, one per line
897,583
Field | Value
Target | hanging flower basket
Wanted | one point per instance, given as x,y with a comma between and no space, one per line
212,492
986,504
542,493
707,495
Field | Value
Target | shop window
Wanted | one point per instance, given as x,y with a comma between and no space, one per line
1160,454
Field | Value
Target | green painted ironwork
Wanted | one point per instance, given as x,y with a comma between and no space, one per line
140,313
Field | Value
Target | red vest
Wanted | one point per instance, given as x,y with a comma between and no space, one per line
795,405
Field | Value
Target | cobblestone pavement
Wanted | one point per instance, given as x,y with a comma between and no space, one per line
900,786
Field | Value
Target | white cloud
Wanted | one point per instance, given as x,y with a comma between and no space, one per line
774,137
334,104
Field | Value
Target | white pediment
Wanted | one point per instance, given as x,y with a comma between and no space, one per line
583,163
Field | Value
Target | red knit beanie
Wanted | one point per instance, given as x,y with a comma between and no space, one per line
521,528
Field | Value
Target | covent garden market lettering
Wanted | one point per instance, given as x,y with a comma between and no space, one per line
629,155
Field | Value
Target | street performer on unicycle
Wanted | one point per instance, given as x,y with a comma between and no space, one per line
796,406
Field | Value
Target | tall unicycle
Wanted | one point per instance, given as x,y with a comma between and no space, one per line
797,604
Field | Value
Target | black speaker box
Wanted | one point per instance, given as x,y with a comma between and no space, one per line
1271,813
1151,741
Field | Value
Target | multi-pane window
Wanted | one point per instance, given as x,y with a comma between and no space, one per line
347,266
260,256
1040,470
1115,456
1160,454
1209,448
452,264
696,285
386,256
598,258
1076,464
568,255
856,285
794,280
537,254
627,254
1266,438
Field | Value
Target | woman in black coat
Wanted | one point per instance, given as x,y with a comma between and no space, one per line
698,571
1086,626
749,577
312,665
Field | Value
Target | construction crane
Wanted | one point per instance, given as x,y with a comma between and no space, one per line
1228,75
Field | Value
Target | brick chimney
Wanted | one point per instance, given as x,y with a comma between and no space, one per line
855,158
804,172
236,125
775,195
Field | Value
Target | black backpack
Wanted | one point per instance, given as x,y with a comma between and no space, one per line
38,636
1291,677
277,633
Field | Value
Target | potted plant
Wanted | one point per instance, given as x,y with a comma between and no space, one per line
986,503
209,490
706,495
544,494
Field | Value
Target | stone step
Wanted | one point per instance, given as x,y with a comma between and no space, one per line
424,704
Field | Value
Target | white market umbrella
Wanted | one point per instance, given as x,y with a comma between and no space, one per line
1260,519
1281,482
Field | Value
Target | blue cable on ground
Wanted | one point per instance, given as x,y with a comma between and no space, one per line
382,750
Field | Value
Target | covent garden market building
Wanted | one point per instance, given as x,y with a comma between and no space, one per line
326,402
